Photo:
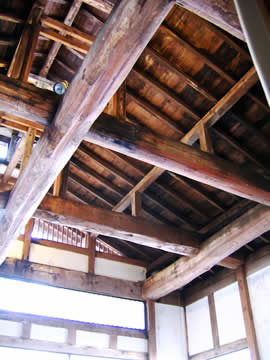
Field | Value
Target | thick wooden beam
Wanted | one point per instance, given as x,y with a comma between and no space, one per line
233,236
180,159
110,59
219,12
106,222
75,280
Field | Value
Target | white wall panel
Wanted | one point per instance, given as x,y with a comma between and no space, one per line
119,270
259,289
170,332
230,319
199,327
57,257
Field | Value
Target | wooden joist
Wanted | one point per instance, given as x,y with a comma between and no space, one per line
109,223
110,59
228,240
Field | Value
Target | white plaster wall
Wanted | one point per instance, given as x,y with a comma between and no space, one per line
259,290
119,270
170,332
59,258
10,328
16,251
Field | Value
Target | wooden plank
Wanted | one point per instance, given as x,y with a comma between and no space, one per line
222,350
70,279
22,60
151,324
70,17
232,237
247,313
11,18
27,239
105,222
219,12
213,318
107,64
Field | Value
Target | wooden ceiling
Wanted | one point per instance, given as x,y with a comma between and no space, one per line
186,69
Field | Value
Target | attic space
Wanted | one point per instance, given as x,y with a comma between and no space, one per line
134,171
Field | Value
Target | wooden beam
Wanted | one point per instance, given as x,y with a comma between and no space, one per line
180,159
30,138
205,140
106,222
136,204
116,49
213,318
233,236
70,279
247,313
219,12
57,185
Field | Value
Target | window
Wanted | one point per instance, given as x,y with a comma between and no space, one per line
43,300
237,355
3,150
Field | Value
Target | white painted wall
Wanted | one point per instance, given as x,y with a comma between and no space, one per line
259,290
56,257
119,270
48,333
16,251
10,328
131,344
170,332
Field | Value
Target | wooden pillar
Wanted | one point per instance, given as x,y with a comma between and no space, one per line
30,138
27,239
151,328
91,252
205,140
213,318
247,312
57,185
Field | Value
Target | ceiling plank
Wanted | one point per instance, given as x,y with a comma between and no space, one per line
228,240
109,223
219,12
110,59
